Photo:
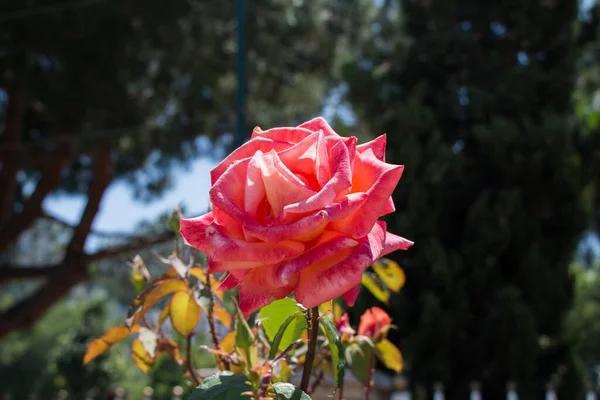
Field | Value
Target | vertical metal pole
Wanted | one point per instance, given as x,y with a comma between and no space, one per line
241,99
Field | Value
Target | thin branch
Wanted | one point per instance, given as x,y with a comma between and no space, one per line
197,379
25,312
133,245
12,135
313,329
316,382
32,209
93,232
370,377
97,187
284,352
211,323
10,272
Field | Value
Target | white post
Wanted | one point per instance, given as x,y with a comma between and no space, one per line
475,391
177,392
148,393
438,391
550,393
400,389
511,391
591,392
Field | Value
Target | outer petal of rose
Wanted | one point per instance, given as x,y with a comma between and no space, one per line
318,286
389,207
245,151
254,188
395,242
377,145
229,283
318,123
223,266
256,290
351,295
227,193
325,254
378,180
285,134
340,183
209,237
281,185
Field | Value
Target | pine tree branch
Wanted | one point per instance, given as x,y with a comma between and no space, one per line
10,272
132,245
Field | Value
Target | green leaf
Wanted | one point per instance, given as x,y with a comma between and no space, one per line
389,355
287,391
373,283
297,333
244,338
337,350
275,315
173,221
358,355
225,386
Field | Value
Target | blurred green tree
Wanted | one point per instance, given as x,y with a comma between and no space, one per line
94,91
476,100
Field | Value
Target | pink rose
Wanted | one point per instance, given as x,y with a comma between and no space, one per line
296,210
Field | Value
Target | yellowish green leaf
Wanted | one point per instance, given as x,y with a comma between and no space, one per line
389,354
228,342
371,282
184,312
140,356
110,337
222,315
149,297
390,273
163,315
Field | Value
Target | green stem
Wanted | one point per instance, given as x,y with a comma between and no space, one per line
370,377
313,331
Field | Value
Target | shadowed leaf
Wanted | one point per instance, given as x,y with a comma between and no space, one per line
390,273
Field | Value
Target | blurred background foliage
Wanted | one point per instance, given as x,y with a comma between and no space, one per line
494,108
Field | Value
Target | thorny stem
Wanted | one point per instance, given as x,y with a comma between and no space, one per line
316,382
370,377
341,392
197,379
211,323
313,329
287,350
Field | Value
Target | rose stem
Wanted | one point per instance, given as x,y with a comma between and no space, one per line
190,365
370,377
313,331
211,323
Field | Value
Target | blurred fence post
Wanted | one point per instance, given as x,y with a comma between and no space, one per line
550,393
148,393
438,391
177,393
475,391
511,391
400,389
590,394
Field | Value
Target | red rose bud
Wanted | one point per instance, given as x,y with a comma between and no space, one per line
374,323
343,325
296,210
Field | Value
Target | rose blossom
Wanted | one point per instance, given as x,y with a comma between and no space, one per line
373,322
296,210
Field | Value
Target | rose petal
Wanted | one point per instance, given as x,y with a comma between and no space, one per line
389,207
317,285
309,158
229,283
223,266
227,194
207,236
255,192
395,242
258,289
340,183
326,254
318,123
247,150
351,295
378,180
376,145
285,134
281,185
